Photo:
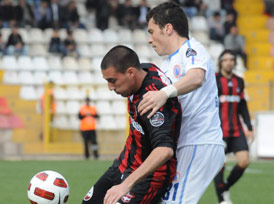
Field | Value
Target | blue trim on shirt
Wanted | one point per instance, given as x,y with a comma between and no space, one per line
188,43
174,53
187,173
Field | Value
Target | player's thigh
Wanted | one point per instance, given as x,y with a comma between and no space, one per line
143,192
197,166
97,192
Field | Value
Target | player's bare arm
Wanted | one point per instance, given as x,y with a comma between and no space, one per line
154,100
157,158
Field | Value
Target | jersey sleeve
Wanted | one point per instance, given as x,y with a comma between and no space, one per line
161,127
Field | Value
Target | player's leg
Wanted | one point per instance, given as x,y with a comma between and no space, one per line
94,144
219,184
196,167
97,192
85,141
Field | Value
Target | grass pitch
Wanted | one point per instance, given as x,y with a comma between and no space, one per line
255,187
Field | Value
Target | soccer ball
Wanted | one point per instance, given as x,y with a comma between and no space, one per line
48,187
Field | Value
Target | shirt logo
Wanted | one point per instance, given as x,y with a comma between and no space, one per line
177,71
89,194
190,52
157,119
137,126
231,99
127,198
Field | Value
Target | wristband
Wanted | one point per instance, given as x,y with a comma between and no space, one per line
170,90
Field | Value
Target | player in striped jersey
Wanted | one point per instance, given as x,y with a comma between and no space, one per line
232,106
147,164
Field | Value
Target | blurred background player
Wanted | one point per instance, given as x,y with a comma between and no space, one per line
88,115
147,164
232,106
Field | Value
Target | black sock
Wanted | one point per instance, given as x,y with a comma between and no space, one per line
234,176
219,184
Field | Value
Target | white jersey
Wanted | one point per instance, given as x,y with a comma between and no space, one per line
200,117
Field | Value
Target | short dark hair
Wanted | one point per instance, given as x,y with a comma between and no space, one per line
121,58
172,13
226,51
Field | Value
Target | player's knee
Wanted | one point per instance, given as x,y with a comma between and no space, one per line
243,163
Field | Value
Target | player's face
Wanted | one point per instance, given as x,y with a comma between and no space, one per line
121,83
157,38
228,63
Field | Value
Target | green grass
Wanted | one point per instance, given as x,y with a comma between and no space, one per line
255,187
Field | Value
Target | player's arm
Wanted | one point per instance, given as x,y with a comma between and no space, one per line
157,158
243,110
153,100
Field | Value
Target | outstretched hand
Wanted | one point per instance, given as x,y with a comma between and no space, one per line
152,100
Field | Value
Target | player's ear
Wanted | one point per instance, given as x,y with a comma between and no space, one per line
168,28
131,71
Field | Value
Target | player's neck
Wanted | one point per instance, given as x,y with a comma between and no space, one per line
176,43
227,75
139,79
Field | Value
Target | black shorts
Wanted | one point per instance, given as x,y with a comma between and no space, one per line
235,144
140,193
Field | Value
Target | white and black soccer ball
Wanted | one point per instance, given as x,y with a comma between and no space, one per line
48,187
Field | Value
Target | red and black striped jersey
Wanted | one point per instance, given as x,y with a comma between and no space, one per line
232,105
161,130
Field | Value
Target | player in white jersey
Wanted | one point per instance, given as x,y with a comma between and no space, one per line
200,151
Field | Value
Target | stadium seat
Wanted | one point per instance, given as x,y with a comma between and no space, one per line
84,64
28,93
202,37
70,77
40,77
95,35
85,77
199,23
48,34
40,91
119,107
63,33
103,93
97,50
60,93
90,91
56,77
5,33
84,50
80,36
258,49
25,63
98,79
55,62
121,121
104,107
38,50
125,35
73,93
81,8
110,36
9,63
40,63
60,121
11,77
60,107
70,63
107,122
74,122
96,64
25,77
72,107
144,50
140,36
37,36
255,22
25,35
215,49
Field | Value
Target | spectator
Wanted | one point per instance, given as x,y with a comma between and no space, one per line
55,45
7,14
229,21
127,15
88,115
236,42
73,20
142,10
2,45
15,43
24,14
216,27
103,12
42,14
70,46
57,13
90,5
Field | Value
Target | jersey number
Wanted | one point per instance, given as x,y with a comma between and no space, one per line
169,191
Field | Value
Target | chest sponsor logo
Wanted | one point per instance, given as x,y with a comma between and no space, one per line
137,126
127,198
231,99
157,119
190,52
177,71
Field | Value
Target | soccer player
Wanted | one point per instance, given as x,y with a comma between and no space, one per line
147,164
200,150
232,106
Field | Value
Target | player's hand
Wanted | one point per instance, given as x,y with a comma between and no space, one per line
250,136
152,100
115,193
